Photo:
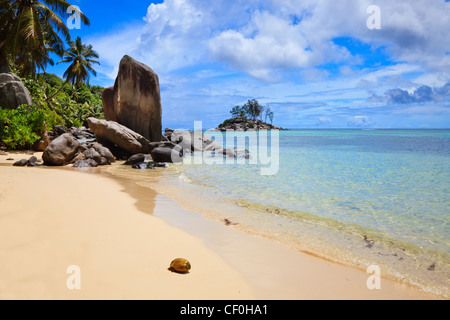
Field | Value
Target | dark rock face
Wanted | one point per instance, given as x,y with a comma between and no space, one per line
119,135
108,104
32,162
61,151
21,163
135,99
102,150
167,155
143,166
13,92
88,163
192,141
91,153
137,158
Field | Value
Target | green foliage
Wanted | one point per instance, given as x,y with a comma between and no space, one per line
22,127
226,123
73,105
32,30
252,110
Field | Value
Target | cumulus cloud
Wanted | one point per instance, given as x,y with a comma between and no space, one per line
211,55
423,94
265,37
359,121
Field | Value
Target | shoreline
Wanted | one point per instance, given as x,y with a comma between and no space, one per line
260,268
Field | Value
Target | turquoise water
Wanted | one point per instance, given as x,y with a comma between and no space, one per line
359,197
393,183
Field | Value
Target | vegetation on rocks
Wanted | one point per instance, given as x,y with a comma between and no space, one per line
251,116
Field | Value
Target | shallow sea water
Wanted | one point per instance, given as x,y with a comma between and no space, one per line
358,197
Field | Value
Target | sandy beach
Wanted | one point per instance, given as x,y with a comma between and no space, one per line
123,237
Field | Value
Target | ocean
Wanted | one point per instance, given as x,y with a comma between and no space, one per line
358,197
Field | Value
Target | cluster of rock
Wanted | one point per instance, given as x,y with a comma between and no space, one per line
138,161
115,141
241,124
32,162
66,149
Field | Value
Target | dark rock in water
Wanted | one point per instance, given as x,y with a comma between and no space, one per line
167,155
164,144
369,243
61,151
432,267
135,99
136,159
21,163
119,135
91,153
88,163
160,165
236,152
9,159
194,141
13,92
143,166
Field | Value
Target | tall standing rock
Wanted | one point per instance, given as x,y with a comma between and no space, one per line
135,99
108,104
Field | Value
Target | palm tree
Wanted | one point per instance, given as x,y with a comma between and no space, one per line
30,31
81,57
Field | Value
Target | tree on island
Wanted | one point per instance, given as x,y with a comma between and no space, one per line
251,110
245,117
81,57
30,31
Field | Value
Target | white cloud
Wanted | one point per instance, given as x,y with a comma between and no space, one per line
204,50
359,121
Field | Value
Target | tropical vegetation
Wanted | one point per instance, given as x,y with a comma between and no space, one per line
32,32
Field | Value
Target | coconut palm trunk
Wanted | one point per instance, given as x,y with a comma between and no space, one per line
62,87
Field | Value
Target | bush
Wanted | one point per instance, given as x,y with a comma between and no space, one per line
72,104
22,127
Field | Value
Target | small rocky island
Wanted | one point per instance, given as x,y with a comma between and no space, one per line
249,117
242,124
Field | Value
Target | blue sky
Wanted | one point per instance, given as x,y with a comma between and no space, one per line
315,63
